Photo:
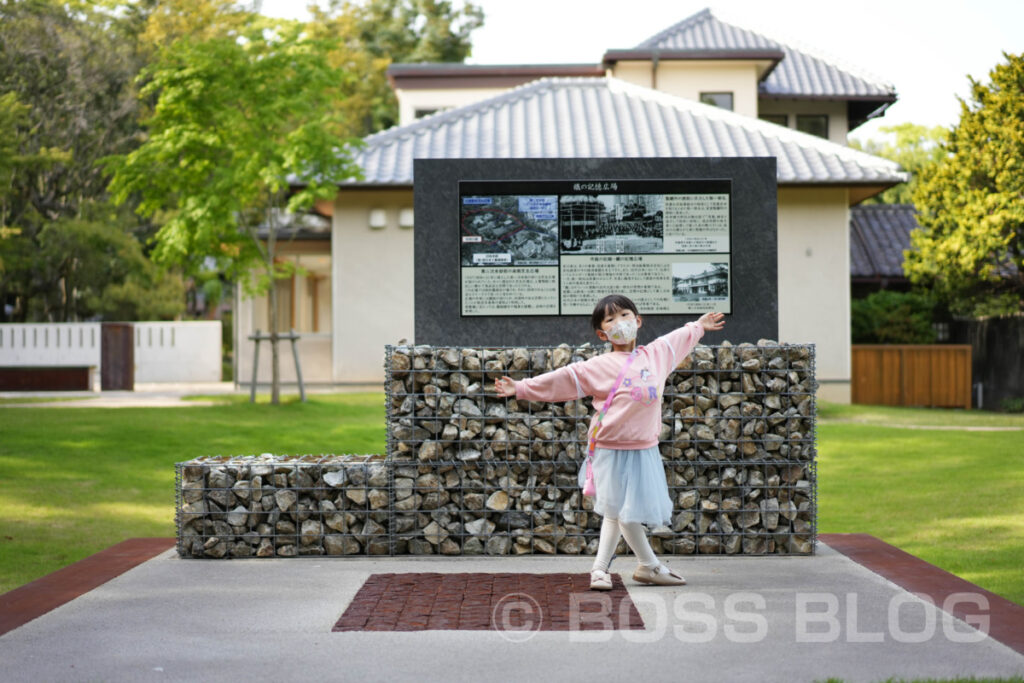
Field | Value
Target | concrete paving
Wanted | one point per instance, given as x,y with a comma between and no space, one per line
738,619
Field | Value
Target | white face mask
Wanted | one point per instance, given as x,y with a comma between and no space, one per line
623,332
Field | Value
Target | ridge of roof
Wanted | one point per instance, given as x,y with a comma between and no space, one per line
791,66
890,170
701,17
791,43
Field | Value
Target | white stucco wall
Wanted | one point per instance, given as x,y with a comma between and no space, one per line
835,110
409,100
689,79
814,280
373,283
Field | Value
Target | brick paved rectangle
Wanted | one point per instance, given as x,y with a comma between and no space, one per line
424,601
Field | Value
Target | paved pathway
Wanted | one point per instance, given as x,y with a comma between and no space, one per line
739,619
157,395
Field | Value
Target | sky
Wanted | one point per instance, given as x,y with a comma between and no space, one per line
926,49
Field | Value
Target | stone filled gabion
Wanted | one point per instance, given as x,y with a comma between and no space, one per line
468,472
478,473
275,506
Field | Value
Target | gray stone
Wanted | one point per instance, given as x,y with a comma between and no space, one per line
238,516
497,545
480,527
285,499
498,500
311,532
435,533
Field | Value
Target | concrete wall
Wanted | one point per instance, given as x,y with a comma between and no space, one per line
164,351
814,281
50,345
178,351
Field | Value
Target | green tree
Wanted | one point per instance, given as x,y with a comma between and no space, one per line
888,317
244,127
17,156
969,250
66,99
913,147
376,33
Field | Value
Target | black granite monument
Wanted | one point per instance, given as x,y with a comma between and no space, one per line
513,252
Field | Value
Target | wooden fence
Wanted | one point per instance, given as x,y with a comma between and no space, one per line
912,375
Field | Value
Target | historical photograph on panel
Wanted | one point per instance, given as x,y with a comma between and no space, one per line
509,230
611,224
693,282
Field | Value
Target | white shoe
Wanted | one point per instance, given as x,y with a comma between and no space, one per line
659,576
600,580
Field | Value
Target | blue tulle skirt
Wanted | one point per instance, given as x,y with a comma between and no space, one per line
631,486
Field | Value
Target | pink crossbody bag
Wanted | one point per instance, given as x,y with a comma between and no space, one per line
589,488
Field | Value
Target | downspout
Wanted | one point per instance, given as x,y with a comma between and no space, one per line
654,70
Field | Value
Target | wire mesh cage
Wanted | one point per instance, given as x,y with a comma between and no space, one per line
468,472
737,441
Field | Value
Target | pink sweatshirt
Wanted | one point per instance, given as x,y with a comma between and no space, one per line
634,417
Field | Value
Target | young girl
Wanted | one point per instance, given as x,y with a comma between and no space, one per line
628,472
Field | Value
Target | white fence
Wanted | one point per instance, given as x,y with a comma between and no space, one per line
50,345
164,351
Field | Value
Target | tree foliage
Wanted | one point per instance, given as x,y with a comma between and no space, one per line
913,147
377,33
888,317
66,100
969,250
244,128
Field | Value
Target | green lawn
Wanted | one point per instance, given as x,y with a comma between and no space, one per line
954,498
76,480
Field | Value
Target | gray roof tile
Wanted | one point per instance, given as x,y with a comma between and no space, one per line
607,117
800,73
878,235
704,31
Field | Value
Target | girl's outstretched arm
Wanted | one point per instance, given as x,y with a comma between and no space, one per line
562,384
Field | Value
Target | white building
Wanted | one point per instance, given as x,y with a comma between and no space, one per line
701,88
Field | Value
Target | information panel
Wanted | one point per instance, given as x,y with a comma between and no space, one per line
554,247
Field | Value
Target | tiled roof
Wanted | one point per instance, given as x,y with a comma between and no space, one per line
800,73
704,31
878,235
607,117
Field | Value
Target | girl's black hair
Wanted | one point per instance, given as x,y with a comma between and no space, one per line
610,304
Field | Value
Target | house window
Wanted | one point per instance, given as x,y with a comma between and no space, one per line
722,100
777,119
304,299
815,124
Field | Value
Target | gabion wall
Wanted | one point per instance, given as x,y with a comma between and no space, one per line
274,506
470,473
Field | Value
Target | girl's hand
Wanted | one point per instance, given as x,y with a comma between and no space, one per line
712,321
505,386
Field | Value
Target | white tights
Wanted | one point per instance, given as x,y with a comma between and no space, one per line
635,537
